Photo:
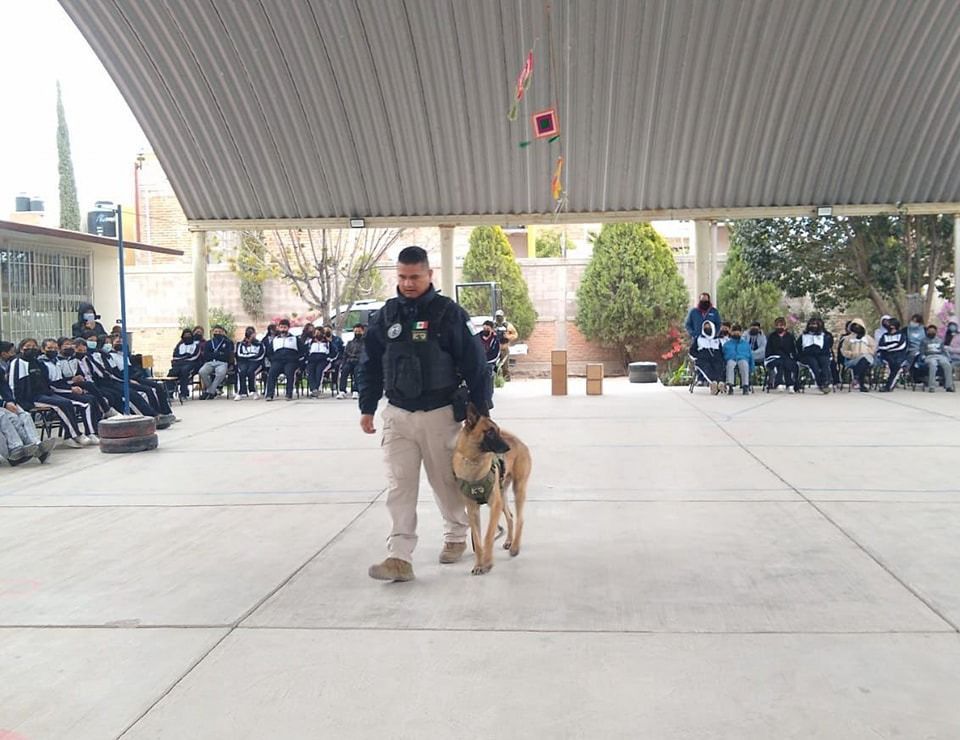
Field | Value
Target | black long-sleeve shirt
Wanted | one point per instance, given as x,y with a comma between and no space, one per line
781,346
456,338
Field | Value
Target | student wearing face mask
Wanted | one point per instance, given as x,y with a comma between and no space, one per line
709,355
317,352
153,394
737,355
250,354
284,352
19,433
703,311
85,406
69,360
351,360
217,354
185,362
87,320
781,357
28,379
336,353
758,342
934,355
816,349
892,349
858,351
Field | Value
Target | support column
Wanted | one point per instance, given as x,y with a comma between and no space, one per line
704,255
956,264
447,267
200,313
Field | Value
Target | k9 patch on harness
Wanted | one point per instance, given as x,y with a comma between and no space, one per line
419,336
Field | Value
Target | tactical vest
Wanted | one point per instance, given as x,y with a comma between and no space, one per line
414,364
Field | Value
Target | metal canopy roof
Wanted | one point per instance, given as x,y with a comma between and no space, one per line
318,110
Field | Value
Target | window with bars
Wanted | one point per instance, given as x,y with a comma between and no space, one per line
40,290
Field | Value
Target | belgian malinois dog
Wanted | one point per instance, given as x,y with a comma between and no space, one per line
486,461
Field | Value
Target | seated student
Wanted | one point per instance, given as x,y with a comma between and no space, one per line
24,440
781,357
317,351
816,351
284,354
738,355
86,406
336,352
916,333
69,362
858,351
351,359
709,355
93,364
758,342
147,396
951,342
892,349
935,358
250,354
185,362
31,389
216,355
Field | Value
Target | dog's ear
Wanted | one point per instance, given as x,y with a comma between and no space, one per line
473,416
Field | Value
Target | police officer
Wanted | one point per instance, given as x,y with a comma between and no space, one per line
417,350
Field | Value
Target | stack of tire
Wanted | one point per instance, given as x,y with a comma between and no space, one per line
127,434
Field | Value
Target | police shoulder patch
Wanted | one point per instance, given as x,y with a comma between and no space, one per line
394,331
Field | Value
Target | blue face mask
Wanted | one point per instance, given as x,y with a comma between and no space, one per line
92,343
89,317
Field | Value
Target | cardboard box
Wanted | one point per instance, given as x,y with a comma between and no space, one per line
595,387
594,371
558,372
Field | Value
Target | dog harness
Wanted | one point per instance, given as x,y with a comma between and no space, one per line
480,490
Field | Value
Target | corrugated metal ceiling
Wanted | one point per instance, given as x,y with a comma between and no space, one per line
298,109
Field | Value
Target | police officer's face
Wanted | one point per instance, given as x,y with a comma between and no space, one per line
413,280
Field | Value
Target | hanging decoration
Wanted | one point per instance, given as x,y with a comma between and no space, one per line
523,82
556,184
546,124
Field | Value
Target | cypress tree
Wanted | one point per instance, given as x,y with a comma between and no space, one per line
490,258
69,206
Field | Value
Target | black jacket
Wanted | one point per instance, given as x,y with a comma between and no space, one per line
785,346
80,325
28,380
217,348
456,339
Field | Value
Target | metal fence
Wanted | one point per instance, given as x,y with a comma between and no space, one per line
40,290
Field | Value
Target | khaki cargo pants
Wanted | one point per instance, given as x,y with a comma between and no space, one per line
409,439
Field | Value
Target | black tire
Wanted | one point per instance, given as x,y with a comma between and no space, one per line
130,444
643,372
128,427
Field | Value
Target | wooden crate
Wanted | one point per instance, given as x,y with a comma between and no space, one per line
594,379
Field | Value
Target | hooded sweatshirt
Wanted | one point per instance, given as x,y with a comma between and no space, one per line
707,343
80,324
781,346
854,349
881,330
738,349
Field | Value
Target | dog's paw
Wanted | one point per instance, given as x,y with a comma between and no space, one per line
479,570
514,551
507,545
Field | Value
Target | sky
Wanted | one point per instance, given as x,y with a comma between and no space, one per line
40,46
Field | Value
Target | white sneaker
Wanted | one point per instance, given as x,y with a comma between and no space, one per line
239,397
254,395
355,395
73,442
84,440
94,439
341,395
111,412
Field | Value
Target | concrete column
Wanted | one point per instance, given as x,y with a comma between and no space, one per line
200,279
956,264
447,267
704,256
714,248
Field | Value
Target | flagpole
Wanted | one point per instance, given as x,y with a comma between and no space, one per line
123,316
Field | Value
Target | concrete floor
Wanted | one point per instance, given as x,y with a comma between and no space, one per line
693,567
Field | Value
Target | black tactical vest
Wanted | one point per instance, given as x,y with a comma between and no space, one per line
415,366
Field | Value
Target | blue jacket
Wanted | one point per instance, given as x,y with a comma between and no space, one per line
738,349
696,317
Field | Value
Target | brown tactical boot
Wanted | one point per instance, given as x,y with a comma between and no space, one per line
392,569
452,552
